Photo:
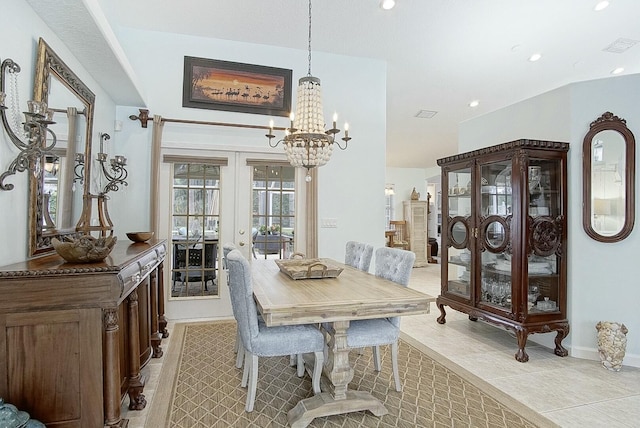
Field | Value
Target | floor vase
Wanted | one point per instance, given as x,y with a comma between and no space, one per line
612,343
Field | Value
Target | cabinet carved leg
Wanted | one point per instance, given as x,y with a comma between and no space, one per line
562,333
111,370
156,337
521,355
137,400
443,314
162,321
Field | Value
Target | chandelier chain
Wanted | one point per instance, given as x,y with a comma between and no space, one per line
309,72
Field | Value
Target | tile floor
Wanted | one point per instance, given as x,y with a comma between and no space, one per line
569,391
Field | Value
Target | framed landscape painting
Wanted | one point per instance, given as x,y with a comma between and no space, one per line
233,86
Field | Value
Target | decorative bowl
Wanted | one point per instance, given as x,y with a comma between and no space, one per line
85,249
139,236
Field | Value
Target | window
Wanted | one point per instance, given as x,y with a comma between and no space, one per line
195,220
273,211
389,196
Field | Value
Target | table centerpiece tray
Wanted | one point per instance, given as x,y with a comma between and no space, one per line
309,268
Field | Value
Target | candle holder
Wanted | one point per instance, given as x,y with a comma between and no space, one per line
116,173
35,140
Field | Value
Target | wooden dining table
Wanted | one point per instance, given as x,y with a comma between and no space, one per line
352,295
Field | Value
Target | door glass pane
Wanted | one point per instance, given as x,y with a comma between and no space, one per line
495,235
195,220
459,265
543,181
496,208
273,213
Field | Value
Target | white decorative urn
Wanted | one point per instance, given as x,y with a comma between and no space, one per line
612,343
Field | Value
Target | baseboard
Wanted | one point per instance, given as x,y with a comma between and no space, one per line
631,360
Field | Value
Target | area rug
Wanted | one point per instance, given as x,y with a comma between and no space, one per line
199,386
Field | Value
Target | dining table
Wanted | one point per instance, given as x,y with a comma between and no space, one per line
352,295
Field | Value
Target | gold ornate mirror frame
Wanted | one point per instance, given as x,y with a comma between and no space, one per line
50,66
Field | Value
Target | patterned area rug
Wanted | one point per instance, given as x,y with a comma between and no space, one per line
200,387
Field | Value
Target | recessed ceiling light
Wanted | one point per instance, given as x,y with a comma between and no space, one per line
601,5
617,70
387,4
474,103
535,57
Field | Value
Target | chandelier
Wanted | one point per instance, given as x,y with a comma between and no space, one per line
306,142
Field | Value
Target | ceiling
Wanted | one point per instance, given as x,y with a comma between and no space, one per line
440,54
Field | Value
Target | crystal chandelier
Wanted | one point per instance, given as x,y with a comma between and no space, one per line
306,142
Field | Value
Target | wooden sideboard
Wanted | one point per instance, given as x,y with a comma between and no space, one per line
74,337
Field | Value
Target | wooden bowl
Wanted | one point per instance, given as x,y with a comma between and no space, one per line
85,249
139,236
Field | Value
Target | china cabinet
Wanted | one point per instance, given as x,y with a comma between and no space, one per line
416,214
74,337
504,238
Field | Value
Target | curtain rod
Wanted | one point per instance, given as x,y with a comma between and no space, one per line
64,110
143,117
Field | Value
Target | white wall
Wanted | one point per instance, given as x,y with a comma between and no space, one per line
20,28
602,278
404,181
353,87
350,186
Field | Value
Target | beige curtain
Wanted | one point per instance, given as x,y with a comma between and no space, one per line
156,141
66,191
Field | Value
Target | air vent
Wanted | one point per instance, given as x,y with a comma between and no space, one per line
620,45
426,114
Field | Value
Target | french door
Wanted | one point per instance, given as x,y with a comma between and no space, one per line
249,199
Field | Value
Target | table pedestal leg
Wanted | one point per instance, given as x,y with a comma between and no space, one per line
339,399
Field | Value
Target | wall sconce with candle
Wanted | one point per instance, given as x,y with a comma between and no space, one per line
115,173
78,170
32,137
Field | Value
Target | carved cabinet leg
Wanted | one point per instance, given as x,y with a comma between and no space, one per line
162,321
522,335
111,368
443,314
156,338
137,400
562,333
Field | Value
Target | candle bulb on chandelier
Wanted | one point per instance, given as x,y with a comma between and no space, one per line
335,119
346,129
291,116
271,126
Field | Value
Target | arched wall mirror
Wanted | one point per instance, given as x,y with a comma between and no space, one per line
56,189
608,179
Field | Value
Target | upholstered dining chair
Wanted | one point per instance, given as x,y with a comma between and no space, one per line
262,341
237,348
395,265
358,255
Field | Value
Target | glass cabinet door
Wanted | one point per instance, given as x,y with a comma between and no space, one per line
545,209
459,266
495,208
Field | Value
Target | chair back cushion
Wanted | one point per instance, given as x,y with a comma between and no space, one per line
395,265
241,292
358,255
226,249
